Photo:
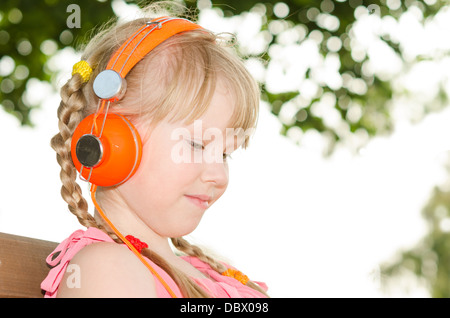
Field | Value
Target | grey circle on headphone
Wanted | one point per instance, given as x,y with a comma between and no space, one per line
89,150
109,85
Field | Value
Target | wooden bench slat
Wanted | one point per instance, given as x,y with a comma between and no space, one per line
22,265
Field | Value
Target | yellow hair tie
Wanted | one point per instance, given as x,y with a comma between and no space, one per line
236,275
82,68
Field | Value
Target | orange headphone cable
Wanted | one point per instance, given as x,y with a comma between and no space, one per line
97,113
130,246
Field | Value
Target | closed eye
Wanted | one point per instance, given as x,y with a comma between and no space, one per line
201,147
196,145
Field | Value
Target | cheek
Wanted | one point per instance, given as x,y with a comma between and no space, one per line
159,180
159,171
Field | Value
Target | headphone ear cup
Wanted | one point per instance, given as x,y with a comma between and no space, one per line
108,160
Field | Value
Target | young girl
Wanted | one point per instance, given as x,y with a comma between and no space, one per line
186,99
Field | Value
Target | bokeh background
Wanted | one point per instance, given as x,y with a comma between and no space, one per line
344,190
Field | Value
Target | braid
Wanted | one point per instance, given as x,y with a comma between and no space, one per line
70,114
192,250
186,285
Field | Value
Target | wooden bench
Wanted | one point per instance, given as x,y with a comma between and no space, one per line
22,265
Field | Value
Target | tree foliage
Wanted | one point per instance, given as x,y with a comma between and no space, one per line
30,33
330,110
429,259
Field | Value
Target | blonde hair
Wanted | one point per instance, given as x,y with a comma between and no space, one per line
186,68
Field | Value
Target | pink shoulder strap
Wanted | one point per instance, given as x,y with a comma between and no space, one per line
60,258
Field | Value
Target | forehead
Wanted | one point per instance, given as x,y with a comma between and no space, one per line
219,112
215,125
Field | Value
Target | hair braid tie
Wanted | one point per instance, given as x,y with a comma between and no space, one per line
83,69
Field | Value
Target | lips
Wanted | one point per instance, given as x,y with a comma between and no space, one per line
200,200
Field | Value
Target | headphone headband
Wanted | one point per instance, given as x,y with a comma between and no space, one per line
140,44
110,84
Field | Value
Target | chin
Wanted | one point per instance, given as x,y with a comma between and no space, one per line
184,229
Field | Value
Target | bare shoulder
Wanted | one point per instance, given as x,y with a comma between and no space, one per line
106,270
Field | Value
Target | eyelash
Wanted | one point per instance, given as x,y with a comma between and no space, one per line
198,146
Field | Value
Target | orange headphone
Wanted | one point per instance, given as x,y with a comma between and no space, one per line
106,148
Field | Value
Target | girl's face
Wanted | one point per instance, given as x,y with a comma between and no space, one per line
177,180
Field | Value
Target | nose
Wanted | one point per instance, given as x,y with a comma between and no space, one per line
215,172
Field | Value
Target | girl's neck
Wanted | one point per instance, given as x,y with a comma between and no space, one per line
127,223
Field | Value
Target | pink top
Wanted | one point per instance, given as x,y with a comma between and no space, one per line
218,286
